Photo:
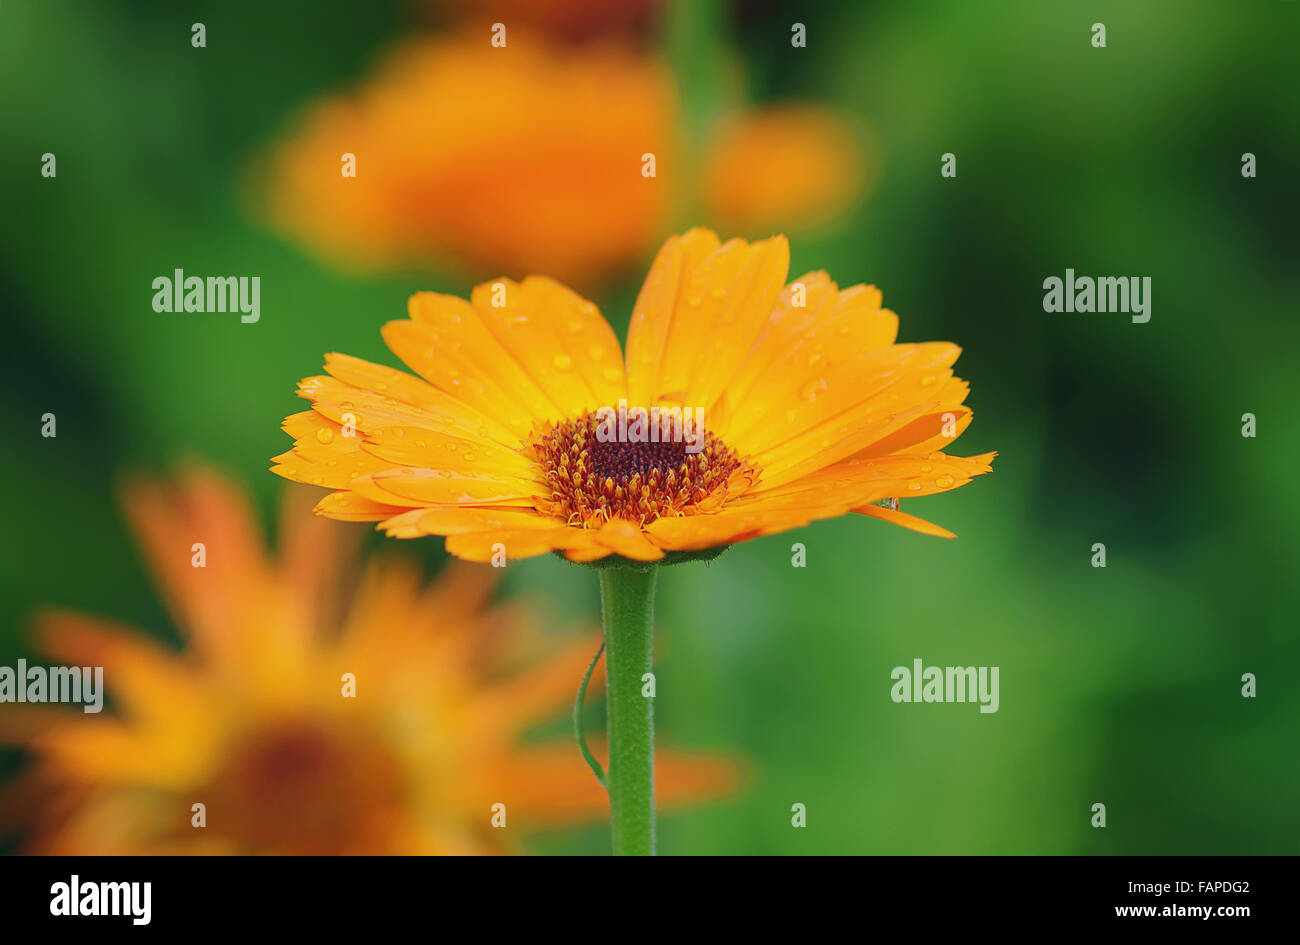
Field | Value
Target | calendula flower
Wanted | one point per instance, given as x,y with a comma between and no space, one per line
528,431
511,440
521,158
533,158
766,167
307,712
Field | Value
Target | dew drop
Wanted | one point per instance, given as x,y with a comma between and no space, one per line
926,467
563,362
612,374
812,389
914,485
325,436
943,482
596,352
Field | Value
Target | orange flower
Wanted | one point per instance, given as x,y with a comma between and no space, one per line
250,719
765,168
528,158
520,157
809,410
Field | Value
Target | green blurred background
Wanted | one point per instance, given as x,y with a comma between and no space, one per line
1119,686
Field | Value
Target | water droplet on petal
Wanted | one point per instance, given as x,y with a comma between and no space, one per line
926,467
612,374
563,362
596,352
325,436
943,482
812,389
914,485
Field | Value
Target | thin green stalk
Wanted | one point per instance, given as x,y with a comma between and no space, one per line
692,38
627,606
596,769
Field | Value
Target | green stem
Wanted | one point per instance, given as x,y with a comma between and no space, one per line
627,606
692,31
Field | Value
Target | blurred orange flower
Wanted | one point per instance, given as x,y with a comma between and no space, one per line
532,158
250,718
785,163
514,159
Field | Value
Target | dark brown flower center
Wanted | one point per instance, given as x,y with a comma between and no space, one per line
598,470
302,788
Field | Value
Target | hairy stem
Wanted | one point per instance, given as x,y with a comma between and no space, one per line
627,606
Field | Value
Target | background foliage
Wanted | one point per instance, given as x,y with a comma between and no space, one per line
1119,685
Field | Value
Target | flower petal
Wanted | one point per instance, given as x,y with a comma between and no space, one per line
905,520
699,311
560,339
